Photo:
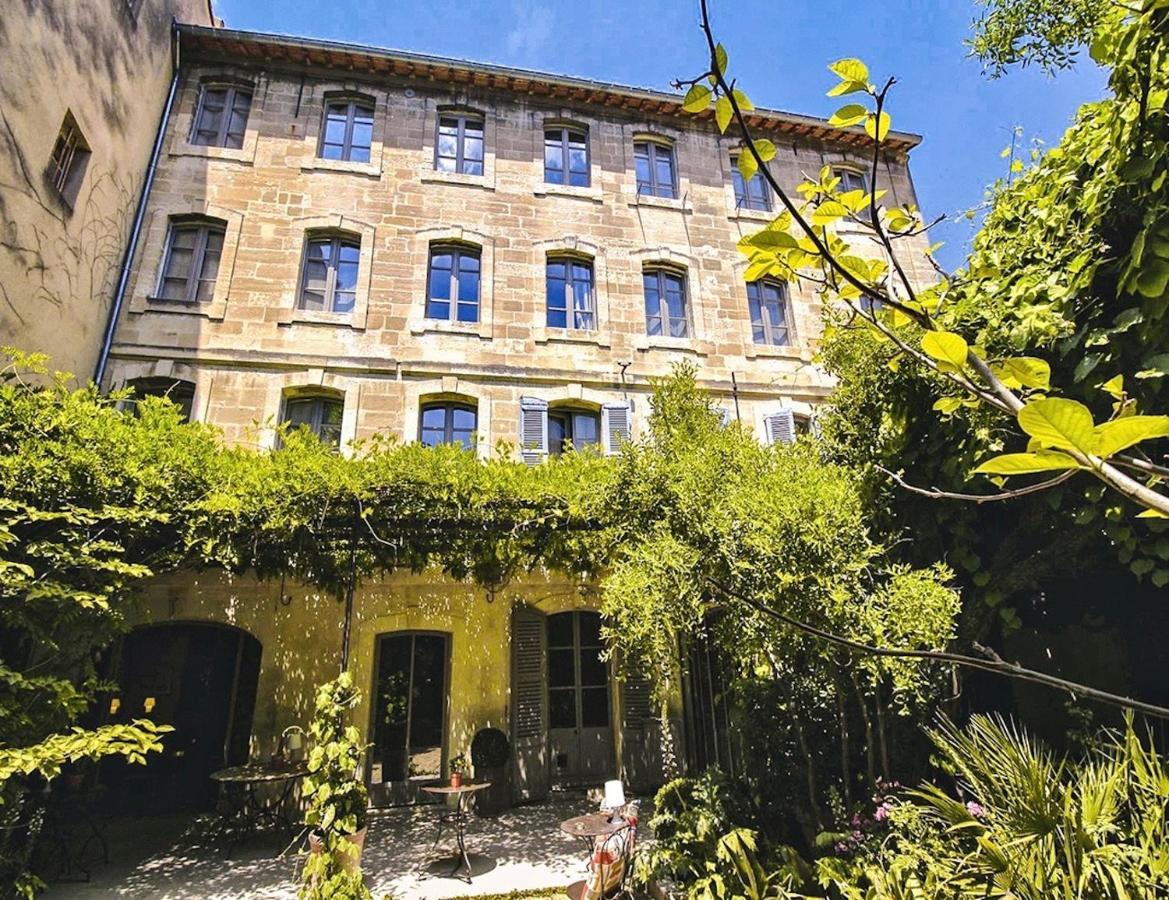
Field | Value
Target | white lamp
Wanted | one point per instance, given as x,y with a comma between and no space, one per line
614,800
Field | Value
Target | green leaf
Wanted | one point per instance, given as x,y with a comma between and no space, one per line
947,348
875,131
720,59
697,98
765,149
1114,387
1112,437
849,114
747,166
1026,463
1058,422
743,100
849,69
723,113
848,87
1027,371
828,212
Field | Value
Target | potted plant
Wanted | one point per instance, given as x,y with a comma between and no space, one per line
337,799
458,767
490,755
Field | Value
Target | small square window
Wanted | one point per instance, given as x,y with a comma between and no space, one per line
68,161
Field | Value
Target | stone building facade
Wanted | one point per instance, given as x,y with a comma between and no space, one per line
373,242
82,89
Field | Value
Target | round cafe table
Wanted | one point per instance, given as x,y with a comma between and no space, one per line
595,830
456,818
248,813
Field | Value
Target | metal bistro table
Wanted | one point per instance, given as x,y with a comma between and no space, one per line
456,818
248,812
597,832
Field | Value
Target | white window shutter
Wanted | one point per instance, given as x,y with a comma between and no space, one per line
781,427
725,416
615,425
533,429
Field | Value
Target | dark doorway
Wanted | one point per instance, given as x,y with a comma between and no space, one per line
409,715
199,678
580,729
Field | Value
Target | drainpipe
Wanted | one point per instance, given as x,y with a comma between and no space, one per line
139,213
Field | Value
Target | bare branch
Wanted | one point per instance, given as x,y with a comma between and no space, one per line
938,494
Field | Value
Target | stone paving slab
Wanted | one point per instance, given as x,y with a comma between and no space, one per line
523,848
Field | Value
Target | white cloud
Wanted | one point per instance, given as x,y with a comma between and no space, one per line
532,30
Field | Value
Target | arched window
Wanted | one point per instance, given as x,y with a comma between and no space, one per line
666,307
191,264
319,413
851,179
221,117
767,299
448,422
572,428
180,393
347,131
452,291
566,156
571,298
328,278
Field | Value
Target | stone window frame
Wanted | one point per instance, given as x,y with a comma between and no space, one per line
336,240
232,91
460,107
313,111
308,227
151,255
799,308
576,407
573,395
157,370
319,396
417,392
173,389
570,246
68,162
729,149
744,205
449,406
661,135
352,101
698,341
541,123
458,251
305,382
423,240
769,327
187,107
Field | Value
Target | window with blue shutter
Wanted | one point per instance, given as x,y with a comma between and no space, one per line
533,429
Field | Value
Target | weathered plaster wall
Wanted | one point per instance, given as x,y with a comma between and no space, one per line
108,63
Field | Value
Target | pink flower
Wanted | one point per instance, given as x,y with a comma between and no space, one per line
975,809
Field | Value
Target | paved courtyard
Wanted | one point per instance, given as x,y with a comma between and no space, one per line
160,858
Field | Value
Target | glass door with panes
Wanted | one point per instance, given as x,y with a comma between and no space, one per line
580,731
409,715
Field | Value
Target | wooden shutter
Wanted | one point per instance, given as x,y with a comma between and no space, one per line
781,427
529,704
615,425
640,735
533,429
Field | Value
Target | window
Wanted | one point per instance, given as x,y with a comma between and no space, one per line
348,131
222,117
459,147
452,291
411,689
571,303
566,157
320,415
768,302
750,194
655,169
192,261
665,303
578,675
572,429
448,423
180,393
68,161
851,180
328,280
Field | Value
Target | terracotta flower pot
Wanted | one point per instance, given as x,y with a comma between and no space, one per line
352,860
456,779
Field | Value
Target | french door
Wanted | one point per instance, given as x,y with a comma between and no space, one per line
409,715
580,729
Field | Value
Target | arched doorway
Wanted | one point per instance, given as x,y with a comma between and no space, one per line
200,678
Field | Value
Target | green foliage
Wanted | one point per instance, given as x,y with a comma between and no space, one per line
335,794
1046,33
1026,823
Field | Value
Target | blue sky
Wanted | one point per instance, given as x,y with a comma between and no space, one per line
778,51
